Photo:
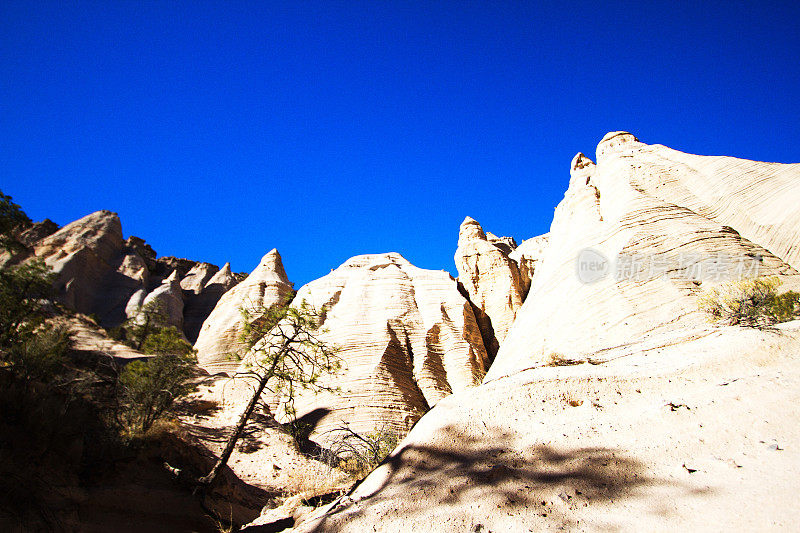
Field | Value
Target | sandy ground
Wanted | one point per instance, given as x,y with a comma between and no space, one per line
698,432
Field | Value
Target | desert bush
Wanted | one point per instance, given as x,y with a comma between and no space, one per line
751,302
41,355
148,389
359,454
166,341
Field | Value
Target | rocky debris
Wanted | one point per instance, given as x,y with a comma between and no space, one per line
406,336
491,279
635,241
218,338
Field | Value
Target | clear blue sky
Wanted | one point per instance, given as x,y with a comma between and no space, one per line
219,130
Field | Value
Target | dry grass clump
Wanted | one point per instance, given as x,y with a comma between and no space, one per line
359,454
751,302
315,479
557,359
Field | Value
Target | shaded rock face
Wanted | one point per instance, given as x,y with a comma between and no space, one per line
219,335
96,273
491,279
37,231
407,338
168,297
637,238
201,300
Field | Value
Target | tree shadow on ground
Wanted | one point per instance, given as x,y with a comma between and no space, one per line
482,474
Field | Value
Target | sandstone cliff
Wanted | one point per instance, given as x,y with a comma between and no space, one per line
675,424
99,273
96,272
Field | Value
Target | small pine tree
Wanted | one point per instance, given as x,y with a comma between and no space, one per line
285,353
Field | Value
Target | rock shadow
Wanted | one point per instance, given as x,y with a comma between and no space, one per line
455,469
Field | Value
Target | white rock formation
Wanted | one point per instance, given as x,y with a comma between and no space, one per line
406,337
527,256
168,299
491,279
218,339
198,277
667,225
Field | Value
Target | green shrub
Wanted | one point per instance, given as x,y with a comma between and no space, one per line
751,302
42,355
166,341
148,389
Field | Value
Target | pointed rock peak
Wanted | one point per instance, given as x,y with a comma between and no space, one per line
581,170
271,263
471,229
580,161
98,219
616,141
223,277
172,277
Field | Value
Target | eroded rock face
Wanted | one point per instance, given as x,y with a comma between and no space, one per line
407,338
527,256
37,231
636,239
168,298
199,304
219,335
491,279
96,272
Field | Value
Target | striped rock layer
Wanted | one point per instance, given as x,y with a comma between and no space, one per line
406,338
639,236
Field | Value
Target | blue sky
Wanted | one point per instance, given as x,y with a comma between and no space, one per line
219,130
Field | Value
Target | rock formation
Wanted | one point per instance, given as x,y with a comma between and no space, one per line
168,299
491,279
37,231
99,273
658,226
96,272
676,423
407,338
218,339
200,301
527,256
